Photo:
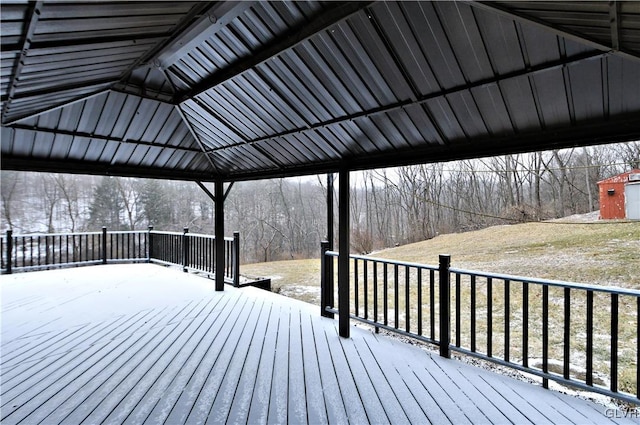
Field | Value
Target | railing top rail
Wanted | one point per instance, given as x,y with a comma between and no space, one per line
120,232
385,261
197,235
158,232
26,235
557,283
201,235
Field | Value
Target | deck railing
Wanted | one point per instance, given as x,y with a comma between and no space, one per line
583,336
192,251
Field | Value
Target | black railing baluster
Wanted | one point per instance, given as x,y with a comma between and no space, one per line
545,334
31,251
419,283
356,299
525,324
507,318
567,333
396,300
458,303
432,303
385,297
589,330
375,293
212,250
365,289
407,298
473,313
489,317
614,342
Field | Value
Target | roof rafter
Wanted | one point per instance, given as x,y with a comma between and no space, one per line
17,68
614,9
279,45
101,137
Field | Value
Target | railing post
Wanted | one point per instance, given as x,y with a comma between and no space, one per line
149,244
9,249
104,245
326,280
236,259
185,249
445,308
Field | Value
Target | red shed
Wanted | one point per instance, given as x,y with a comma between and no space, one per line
612,201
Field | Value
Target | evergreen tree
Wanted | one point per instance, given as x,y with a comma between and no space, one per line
155,204
107,206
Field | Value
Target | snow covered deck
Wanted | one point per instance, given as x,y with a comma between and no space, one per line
147,344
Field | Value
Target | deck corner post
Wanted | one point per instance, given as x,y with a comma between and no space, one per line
445,305
104,245
150,244
185,249
326,280
236,259
9,250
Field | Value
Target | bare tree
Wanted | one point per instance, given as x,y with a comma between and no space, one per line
11,198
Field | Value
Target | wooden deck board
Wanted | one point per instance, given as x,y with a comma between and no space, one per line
98,346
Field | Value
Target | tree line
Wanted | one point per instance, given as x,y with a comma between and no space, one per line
286,218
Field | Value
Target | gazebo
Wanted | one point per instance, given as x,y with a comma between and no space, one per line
228,91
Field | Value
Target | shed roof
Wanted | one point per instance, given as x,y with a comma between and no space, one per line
242,90
619,178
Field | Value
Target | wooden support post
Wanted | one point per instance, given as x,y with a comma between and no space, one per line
219,234
344,251
445,310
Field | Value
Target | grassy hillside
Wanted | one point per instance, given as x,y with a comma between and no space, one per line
603,253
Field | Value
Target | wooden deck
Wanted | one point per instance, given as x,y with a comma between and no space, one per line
146,344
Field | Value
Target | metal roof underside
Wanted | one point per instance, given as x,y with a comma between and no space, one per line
243,90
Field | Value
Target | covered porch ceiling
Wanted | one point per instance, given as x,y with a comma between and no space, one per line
224,91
